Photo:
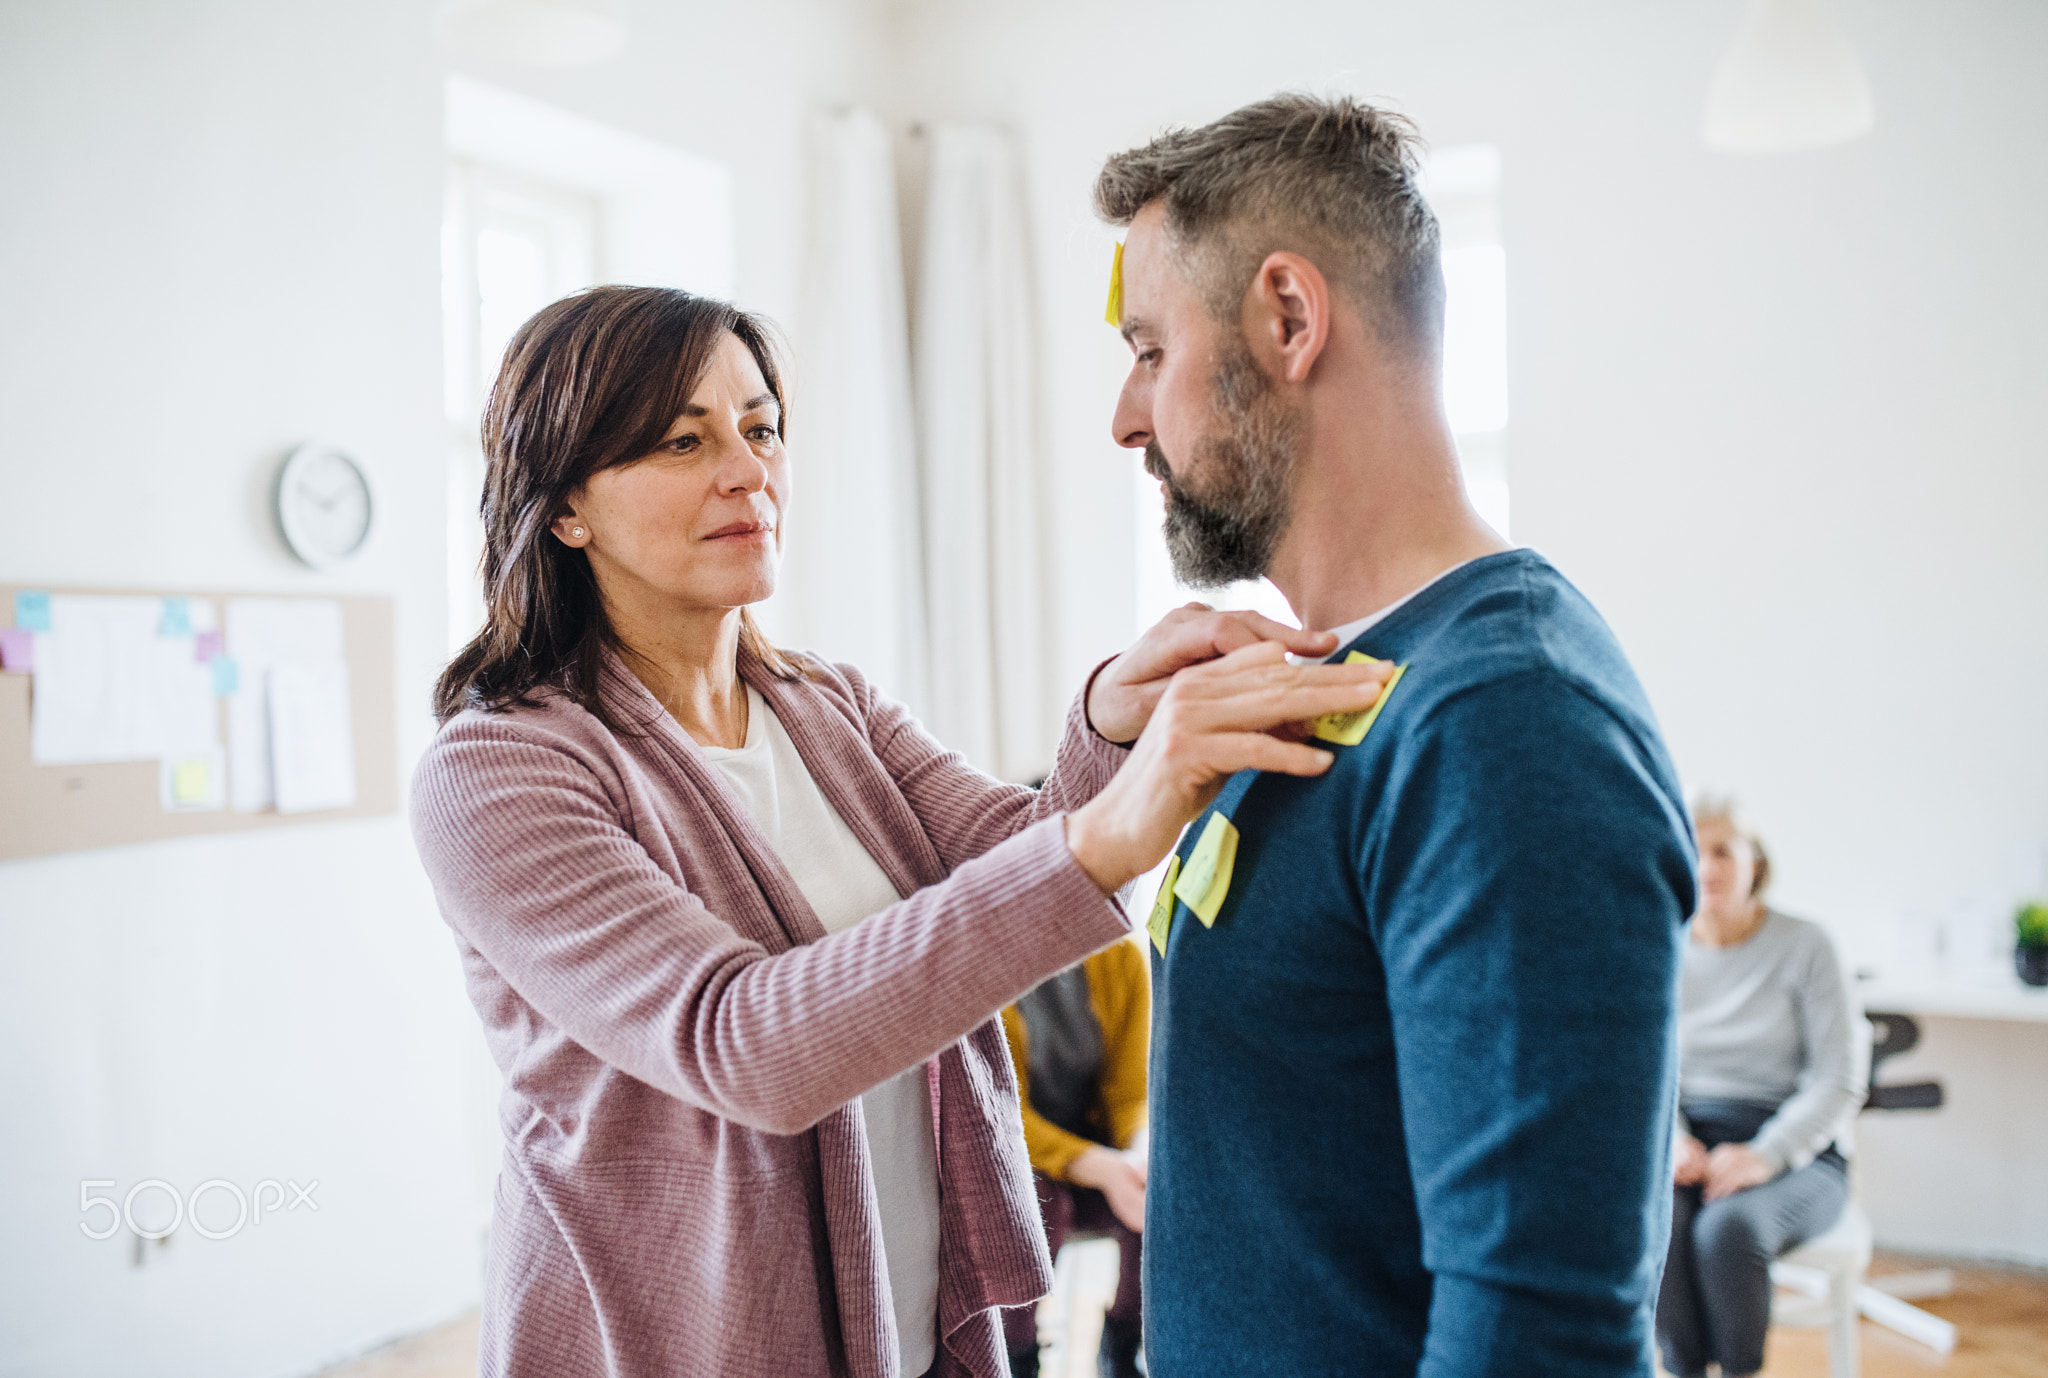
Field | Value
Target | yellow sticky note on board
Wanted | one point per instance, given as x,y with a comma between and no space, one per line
1161,922
1205,880
1114,314
189,784
1349,729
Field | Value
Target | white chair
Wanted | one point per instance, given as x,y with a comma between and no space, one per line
1826,1274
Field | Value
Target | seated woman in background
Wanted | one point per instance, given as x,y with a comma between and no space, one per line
736,926
1773,1060
1080,1042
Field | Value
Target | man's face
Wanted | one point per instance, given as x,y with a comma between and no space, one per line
1216,434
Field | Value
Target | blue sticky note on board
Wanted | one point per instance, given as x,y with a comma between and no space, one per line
32,611
226,676
176,619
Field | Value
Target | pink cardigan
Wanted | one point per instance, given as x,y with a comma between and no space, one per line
685,1187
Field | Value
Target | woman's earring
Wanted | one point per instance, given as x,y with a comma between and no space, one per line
577,532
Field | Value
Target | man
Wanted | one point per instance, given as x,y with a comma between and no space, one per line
1412,1041
1078,1042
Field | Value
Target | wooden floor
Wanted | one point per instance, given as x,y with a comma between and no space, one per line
2001,1316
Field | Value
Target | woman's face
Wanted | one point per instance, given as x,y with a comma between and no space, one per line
1727,866
697,524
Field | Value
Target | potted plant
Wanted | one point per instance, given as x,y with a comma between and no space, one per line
2030,953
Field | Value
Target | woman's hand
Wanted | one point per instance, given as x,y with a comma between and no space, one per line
1124,695
1736,1167
1212,720
1689,1161
1117,1178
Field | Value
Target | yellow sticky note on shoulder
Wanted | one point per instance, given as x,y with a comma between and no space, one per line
1115,312
1349,729
1161,922
1205,880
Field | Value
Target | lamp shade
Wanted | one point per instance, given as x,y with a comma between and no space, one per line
536,33
1791,81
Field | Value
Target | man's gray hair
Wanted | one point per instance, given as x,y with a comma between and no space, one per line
1330,178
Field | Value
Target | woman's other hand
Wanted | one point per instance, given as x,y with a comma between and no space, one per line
1689,1161
1117,1178
1124,695
1736,1167
1240,712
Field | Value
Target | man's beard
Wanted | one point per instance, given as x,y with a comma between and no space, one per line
1229,532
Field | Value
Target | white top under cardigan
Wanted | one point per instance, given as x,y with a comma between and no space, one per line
844,885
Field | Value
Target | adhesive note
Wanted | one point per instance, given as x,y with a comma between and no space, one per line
205,646
1114,314
176,619
312,744
1349,729
1205,880
226,674
1161,922
192,782
17,650
32,611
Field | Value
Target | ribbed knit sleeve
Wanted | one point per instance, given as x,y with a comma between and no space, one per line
523,829
1833,1082
964,811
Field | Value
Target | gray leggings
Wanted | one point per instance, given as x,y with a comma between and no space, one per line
1715,1304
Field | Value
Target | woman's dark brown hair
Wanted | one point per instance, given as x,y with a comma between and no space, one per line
592,382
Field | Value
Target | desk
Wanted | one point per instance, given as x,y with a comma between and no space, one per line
1952,996
1965,1179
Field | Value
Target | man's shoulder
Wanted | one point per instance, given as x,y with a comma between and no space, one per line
1511,623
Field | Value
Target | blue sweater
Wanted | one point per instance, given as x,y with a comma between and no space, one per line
1412,1094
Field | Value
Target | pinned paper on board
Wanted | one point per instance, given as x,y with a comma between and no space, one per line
264,634
1114,313
312,744
1349,729
17,650
1160,924
1205,880
111,686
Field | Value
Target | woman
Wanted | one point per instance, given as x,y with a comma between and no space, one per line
1773,1058
735,925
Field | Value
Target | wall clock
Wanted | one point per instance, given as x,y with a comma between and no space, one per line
323,504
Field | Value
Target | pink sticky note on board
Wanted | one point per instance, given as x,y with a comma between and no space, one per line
17,650
205,646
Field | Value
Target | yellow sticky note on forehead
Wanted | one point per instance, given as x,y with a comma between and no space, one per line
1115,314
1205,880
1349,729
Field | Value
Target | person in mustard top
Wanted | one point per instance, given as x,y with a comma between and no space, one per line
1079,1043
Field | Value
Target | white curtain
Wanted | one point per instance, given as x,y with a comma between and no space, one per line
853,575
977,443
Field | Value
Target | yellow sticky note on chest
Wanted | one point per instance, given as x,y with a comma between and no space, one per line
1161,922
1205,880
1349,729
1114,313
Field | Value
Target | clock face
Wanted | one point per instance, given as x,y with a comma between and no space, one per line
323,505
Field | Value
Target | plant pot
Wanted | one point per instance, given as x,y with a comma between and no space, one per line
2032,964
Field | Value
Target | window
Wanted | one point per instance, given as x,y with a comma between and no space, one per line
509,246
1463,185
542,202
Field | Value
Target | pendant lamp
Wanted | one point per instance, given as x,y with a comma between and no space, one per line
1791,81
534,33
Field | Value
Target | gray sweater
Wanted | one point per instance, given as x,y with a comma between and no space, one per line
1773,1023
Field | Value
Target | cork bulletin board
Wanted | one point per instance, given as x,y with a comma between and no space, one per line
72,807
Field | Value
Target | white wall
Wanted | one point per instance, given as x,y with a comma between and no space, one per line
221,236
